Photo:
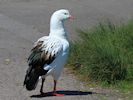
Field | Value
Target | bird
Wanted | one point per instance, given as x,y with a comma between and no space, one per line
49,54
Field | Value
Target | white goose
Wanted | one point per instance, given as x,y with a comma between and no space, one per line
49,53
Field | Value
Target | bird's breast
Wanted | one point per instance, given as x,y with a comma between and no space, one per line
65,46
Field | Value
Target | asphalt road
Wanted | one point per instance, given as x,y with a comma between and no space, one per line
23,21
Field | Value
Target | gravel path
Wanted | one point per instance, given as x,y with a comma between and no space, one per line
23,21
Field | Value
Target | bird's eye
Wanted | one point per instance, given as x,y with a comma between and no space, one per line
65,13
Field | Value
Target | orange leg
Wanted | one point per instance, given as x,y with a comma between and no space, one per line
54,90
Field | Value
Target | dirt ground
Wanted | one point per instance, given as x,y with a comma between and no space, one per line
23,21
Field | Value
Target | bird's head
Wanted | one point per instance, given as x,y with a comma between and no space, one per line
57,22
62,14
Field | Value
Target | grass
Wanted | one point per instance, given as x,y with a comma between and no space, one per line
105,55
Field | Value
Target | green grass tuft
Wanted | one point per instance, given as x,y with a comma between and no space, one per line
105,53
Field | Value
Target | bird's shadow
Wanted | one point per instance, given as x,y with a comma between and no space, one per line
66,93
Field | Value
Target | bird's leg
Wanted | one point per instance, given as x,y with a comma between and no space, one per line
41,89
54,90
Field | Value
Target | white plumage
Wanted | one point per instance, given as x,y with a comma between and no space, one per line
58,48
49,53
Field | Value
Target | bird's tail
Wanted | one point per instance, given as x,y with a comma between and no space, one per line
31,78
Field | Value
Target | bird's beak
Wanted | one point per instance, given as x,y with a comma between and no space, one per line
71,17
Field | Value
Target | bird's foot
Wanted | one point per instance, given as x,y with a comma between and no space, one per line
42,93
57,94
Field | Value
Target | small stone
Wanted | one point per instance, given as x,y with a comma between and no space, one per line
7,61
91,88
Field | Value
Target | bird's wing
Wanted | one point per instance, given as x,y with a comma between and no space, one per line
45,50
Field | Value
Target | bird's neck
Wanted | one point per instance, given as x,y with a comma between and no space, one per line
57,28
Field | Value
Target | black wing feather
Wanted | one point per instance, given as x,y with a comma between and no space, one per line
36,61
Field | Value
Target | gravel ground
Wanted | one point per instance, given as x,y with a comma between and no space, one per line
23,21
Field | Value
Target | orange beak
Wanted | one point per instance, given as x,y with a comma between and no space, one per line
71,17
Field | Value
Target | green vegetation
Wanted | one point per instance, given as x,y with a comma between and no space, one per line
105,54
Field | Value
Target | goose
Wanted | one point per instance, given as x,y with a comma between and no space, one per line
49,53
